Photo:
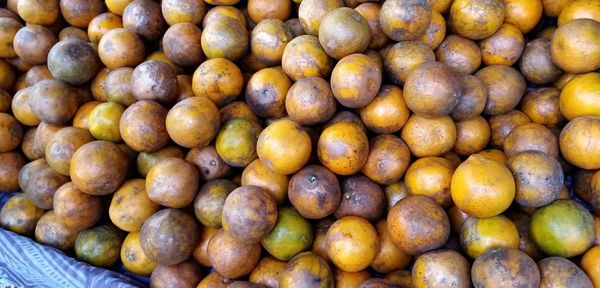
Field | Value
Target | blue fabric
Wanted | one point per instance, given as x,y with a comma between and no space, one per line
25,263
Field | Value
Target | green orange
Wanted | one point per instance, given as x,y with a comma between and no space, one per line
291,235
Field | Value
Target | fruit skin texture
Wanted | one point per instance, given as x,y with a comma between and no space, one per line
51,232
267,272
562,228
173,182
433,89
230,257
538,177
429,136
465,13
306,268
482,187
343,148
417,224
20,215
208,205
76,209
403,20
170,226
131,206
525,14
291,235
344,31
591,264
389,257
305,57
185,274
560,272
99,246
355,80
284,146
504,267
193,122
581,96
479,235
580,142
441,267
142,126
504,47
73,61
352,243
576,46
249,213
314,191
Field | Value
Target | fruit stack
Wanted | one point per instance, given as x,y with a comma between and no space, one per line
307,143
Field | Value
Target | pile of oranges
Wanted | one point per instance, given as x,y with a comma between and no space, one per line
307,143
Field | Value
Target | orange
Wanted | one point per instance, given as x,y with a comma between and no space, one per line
478,235
352,243
590,263
482,187
581,96
524,14
284,147
343,148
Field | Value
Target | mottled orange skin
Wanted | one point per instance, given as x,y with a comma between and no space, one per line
345,279
208,205
370,11
315,192
20,215
133,256
32,44
417,224
258,174
430,176
502,125
121,48
53,101
343,31
193,122
41,184
98,85
578,142
355,80
8,29
80,13
172,182
522,13
542,106
404,57
457,218
51,232
429,136
306,268
183,11
581,96
284,146
201,251
361,197
389,257
459,53
98,168
579,9
259,10
21,110
478,236
218,79
249,213
310,101
304,57
352,243
442,267
72,33
63,144
44,12
401,278
505,267
436,31
504,47
433,89
388,159
142,126
181,43
232,258
145,161
130,206
310,13
267,272
472,136
538,177
403,20
268,40
176,227
576,46
218,13
214,279
387,112
144,18
266,91
343,148
505,87
185,274
482,187
476,20
233,31
560,272
11,133
531,136
76,209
